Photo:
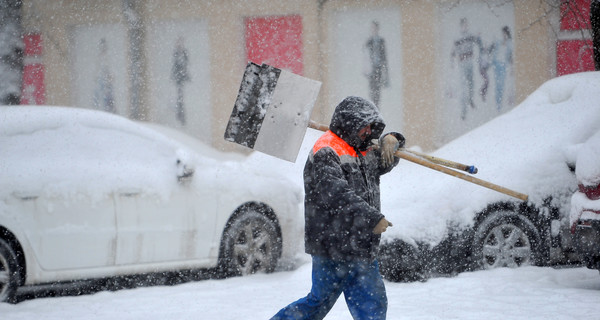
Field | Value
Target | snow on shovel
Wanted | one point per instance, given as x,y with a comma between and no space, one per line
272,112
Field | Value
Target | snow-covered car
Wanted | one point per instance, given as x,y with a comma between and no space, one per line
87,194
444,225
585,203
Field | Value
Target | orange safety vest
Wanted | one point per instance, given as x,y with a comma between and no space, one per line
339,146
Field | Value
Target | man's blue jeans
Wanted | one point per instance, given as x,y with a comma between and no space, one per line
360,282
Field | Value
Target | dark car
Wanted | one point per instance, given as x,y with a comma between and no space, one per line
585,204
445,225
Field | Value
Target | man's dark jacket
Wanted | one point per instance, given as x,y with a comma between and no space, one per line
341,182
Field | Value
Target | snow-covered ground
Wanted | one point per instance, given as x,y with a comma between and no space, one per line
523,293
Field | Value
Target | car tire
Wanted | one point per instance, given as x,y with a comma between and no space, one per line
9,273
400,262
505,239
251,244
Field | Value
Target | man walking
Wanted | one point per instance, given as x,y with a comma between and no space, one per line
343,220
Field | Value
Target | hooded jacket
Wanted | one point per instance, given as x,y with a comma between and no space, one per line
341,182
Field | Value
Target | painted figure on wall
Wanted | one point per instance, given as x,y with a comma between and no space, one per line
502,61
180,75
464,52
377,72
104,98
485,62
476,64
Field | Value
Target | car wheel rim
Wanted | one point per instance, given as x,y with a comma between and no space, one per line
4,277
252,248
506,245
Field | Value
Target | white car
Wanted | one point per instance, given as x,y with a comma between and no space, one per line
87,194
442,224
585,203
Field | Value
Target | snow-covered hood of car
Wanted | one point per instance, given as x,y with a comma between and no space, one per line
526,149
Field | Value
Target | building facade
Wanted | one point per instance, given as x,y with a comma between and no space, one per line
435,68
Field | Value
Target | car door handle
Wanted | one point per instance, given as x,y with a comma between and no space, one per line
25,196
129,192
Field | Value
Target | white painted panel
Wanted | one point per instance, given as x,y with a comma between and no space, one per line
350,31
98,56
162,40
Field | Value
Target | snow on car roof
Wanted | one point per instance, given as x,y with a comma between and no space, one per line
63,150
70,151
526,149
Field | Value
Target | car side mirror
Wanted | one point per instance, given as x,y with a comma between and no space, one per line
571,166
184,174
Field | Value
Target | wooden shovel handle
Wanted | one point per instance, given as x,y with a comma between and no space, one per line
460,175
444,162
463,167
317,126
439,165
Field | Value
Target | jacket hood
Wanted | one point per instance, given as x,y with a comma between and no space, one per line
353,114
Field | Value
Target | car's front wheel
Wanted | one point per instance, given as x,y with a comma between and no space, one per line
9,273
505,239
251,244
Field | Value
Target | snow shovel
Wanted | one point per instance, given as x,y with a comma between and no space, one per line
272,112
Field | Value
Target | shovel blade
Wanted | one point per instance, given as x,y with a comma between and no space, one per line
272,111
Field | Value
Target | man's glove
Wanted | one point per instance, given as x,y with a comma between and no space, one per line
381,227
389,145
